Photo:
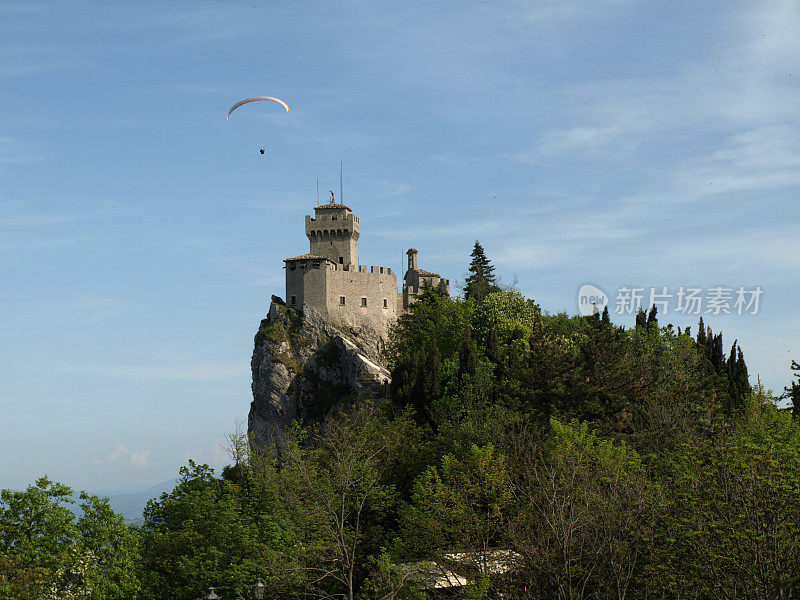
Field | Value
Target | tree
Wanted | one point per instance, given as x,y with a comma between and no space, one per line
459,511
701,333
467,359
652,319
792,392
585,513
732,529
46,553
338,490
208,531
481,280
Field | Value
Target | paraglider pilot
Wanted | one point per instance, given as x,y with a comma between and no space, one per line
261,150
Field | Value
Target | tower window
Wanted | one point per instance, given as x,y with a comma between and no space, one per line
341,260
316,265
385,303
341,300
363,302
294,299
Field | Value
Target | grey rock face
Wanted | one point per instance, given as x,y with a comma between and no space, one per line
304,367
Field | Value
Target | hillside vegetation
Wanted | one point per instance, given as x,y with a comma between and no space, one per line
520,455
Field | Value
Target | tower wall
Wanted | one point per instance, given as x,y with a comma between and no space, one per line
307,283
334,232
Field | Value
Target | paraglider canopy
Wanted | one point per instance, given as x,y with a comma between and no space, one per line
257,99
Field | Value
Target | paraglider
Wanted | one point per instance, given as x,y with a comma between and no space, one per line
255,125
257,99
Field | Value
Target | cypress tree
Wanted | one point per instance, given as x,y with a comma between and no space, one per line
793,391
742,377
605,319
493,346
641,318
701,333
481,280
717,355
468,358
432,375
651,317
731,364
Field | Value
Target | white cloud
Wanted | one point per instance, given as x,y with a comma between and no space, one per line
121,454
121,451
139,458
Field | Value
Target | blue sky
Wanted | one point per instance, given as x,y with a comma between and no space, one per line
141,234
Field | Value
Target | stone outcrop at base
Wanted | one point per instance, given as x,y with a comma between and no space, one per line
304,367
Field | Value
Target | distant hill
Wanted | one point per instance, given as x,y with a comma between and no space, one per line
131,502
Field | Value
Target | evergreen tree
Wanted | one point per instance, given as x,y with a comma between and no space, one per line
701,333
605,319
481,280
742,377
468,358
738,383
432,375
493,346
652,320
793,391
641,318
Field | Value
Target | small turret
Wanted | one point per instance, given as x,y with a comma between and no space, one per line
412,258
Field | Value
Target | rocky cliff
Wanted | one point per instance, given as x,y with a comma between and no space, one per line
304,367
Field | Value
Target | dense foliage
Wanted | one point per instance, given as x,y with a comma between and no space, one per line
533,455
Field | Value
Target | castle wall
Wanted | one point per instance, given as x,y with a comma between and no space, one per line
323,289
377,286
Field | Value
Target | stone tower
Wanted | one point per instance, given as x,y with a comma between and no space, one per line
333,232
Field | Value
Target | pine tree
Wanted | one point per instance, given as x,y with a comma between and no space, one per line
481,280
605,320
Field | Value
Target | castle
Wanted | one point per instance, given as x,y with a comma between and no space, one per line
330,280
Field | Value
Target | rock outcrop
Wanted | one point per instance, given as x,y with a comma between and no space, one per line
304,367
